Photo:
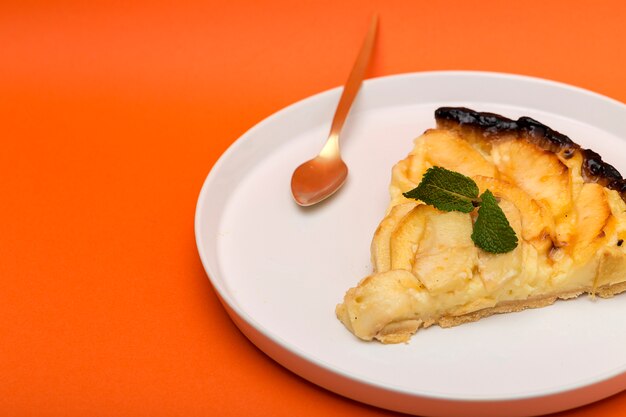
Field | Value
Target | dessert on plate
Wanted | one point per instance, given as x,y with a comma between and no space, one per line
566,206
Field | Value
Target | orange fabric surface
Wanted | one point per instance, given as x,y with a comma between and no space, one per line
111,116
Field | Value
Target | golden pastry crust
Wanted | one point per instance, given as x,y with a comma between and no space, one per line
565,204
606,291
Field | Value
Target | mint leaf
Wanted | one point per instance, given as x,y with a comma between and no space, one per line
446,190
492,231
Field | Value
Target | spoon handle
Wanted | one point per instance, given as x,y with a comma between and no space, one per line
355,79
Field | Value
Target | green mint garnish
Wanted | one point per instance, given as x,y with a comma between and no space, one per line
492,231
450,191
446,190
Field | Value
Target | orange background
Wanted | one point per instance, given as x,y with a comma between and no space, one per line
111,116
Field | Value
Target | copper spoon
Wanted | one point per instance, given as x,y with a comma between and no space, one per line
318,178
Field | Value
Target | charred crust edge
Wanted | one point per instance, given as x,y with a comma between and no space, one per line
493,125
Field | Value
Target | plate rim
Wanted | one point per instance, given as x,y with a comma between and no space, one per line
232,307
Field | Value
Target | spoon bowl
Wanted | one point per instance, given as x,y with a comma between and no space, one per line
317,179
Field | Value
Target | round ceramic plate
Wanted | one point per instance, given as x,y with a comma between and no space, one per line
280,269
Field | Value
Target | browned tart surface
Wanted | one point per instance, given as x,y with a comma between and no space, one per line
565,204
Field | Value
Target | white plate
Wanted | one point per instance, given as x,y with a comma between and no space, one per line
281,269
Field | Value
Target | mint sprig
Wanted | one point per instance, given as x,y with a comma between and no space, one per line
451,191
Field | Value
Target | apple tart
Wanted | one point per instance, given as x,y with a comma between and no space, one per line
564,203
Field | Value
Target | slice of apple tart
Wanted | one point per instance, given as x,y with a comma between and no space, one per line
565,205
